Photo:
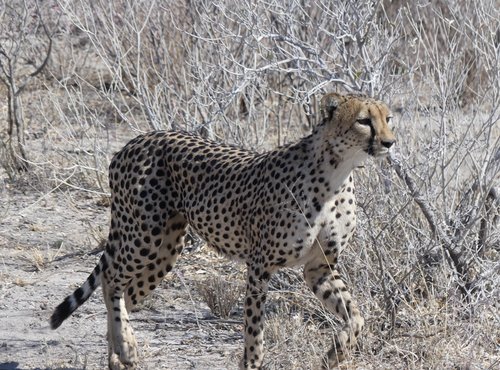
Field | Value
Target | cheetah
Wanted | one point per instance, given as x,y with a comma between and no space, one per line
292,206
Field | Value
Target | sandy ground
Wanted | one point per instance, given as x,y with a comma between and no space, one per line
47,250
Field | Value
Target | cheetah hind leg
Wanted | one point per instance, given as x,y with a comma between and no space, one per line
122,346
122,294
325,282
159,262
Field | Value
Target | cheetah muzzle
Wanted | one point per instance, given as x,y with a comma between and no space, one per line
291,206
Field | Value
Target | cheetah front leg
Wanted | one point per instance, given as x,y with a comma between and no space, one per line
122,346
255,299
325,282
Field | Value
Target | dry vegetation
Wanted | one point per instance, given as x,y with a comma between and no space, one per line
80,78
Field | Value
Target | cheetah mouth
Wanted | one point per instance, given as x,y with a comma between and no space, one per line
382,152
377,152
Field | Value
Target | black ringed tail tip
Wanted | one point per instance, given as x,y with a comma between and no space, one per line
61,313
79,296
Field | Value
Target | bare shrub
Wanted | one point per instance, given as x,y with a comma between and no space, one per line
229,69
220,295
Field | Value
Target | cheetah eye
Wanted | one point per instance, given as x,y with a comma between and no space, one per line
388,119
365,121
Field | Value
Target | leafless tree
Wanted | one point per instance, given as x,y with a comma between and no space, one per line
21,59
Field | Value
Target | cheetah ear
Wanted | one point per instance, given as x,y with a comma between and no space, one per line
329,103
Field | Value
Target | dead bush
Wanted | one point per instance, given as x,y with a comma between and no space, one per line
220,295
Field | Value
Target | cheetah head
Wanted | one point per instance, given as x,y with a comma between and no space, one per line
357,125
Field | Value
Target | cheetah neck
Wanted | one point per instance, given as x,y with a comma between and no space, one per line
323,163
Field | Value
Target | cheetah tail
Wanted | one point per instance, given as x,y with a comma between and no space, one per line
79,296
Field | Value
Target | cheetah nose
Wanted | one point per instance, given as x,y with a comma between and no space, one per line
388,143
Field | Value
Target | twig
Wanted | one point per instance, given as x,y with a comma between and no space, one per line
430,216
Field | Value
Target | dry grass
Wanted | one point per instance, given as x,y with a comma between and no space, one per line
39,258
219,294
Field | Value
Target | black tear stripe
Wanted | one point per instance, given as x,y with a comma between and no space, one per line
371,142
370,150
